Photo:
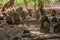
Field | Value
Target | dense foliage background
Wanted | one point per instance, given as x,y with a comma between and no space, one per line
21,2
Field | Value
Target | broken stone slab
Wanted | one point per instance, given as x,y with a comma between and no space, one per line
47,36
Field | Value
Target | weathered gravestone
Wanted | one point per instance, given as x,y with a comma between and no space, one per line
45,24
54,21
58,26
14,17
9,20
21,13
54,24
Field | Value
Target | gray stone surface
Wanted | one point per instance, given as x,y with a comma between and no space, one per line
10,32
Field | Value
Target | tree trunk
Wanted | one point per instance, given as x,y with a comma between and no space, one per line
25,3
